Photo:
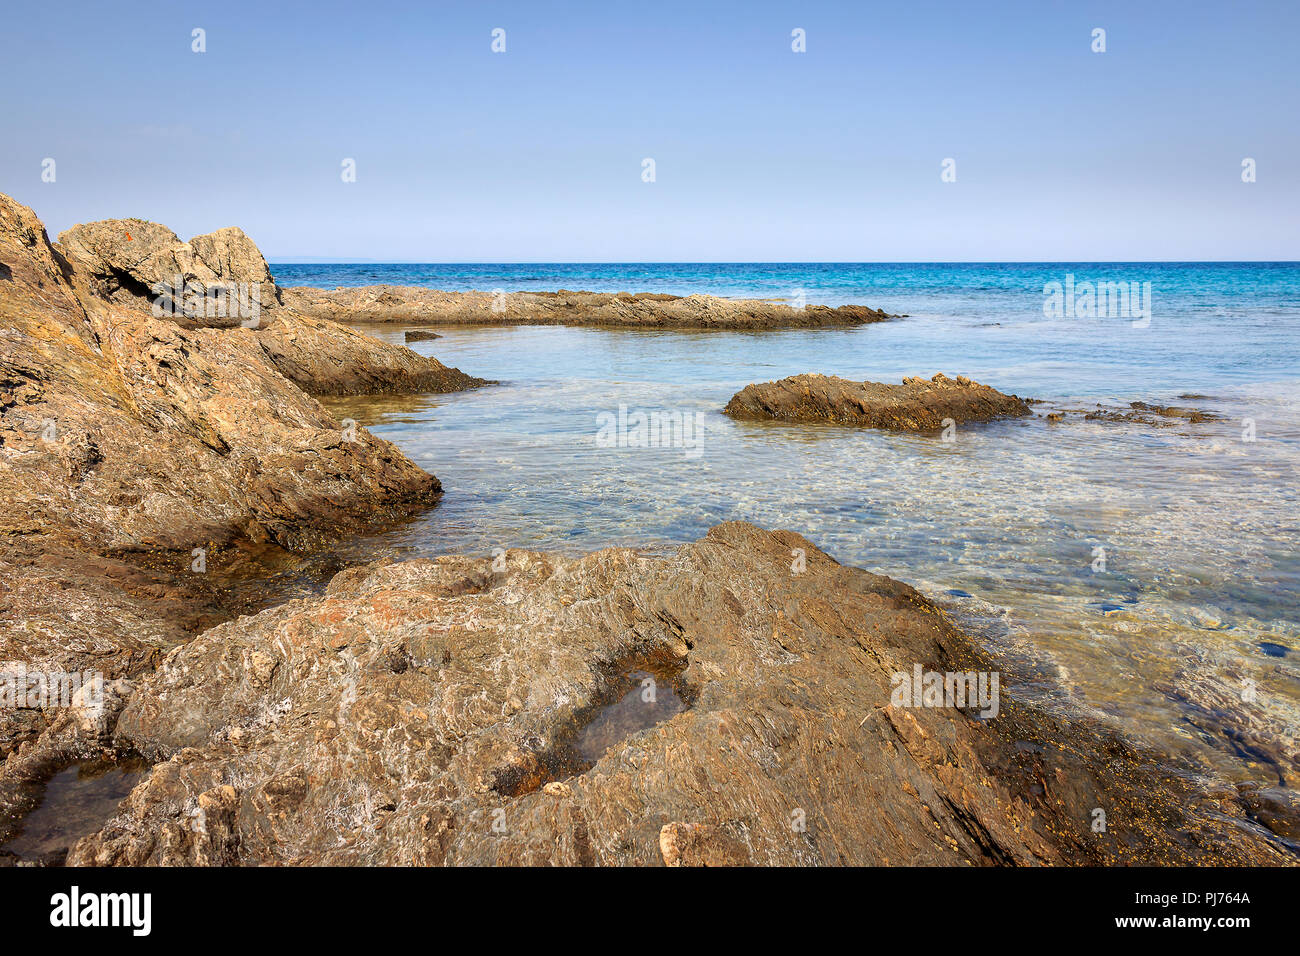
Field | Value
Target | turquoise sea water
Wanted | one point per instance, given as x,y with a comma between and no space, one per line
1211,323
1195,609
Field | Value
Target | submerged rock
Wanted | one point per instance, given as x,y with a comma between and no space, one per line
421,335
1148,414
424,713
385,303
915,405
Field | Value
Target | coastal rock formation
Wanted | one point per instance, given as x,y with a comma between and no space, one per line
386,303
326,358
130,260
421,335
723,705
142,265
123,433
915,405
65,611
126,431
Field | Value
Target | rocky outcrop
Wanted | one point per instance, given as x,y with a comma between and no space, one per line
126,431
131,261
123,433
326,358
386,303
220,280
1134,413
915,405
736,703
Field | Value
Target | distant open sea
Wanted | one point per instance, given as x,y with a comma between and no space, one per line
1197,599
1212,322
957,285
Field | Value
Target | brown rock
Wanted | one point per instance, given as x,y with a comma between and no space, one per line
122,433
129,260
1147,414
419,712
649,310
143,266
916,405
132,432
326,358
701,844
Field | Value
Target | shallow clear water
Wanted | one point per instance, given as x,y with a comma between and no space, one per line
77,801
1199,527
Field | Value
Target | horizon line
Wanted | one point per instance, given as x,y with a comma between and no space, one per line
319,261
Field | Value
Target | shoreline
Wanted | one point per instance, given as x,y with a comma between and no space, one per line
182,439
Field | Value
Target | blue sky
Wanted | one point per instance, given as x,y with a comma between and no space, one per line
761,154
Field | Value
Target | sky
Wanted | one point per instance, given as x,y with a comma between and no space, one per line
761,153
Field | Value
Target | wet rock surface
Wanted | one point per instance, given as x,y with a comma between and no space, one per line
75,802
413,715
1134,413
916,405
386,303
1148,414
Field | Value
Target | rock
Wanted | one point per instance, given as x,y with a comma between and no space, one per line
1173,411
141,265
426,712
1148,414
701,844
916,405
421,335
129,260
1275,808
1220,704
650,310
68,610
131,432
326,358
73,733
122,435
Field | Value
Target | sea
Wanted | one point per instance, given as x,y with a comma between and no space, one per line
1146,576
